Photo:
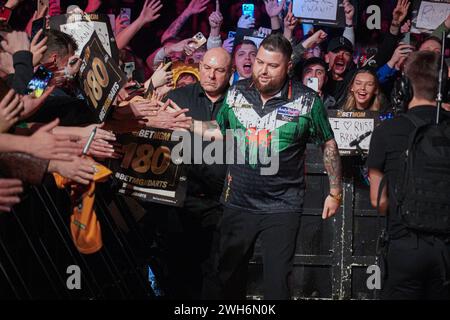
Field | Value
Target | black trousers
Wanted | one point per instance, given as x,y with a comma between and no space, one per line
238,233
188,243
417,267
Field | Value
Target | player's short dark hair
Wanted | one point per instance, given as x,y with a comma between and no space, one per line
278,43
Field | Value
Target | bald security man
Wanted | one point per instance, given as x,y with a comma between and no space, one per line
193,246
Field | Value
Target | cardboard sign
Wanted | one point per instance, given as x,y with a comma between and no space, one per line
324,12
81,28
428,15
146,170
100,77
349,126
249,34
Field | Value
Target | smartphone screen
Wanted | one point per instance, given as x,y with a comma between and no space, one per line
231,34
126,13
112,22
248,9
40,81
406,38
37,25
313,83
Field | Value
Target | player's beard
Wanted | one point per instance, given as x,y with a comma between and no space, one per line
270,87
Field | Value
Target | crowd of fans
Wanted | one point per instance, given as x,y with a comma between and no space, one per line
45,134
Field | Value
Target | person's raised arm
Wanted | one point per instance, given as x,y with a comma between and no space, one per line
315,39
42,144
12,4
215,22
390,41
156,58
349,31
398,16
290,22
194,7
17,44
54,8
148,14
273,9
93,6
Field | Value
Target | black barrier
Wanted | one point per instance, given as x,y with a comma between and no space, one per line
36,250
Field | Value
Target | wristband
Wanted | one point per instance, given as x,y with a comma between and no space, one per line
337,197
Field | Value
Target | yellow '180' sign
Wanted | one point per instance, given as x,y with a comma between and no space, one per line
96,80
144,157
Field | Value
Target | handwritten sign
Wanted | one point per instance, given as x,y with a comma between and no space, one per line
81,27
324,9
146,170
100,77
432,14
320,12
349,126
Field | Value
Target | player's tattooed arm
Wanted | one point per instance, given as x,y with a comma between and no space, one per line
333,165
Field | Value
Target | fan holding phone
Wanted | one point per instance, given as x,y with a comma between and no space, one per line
247,20
39,82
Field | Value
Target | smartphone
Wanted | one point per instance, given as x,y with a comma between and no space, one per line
166,61
313,83
406,38
112,22
40,81
39,24
41,4
248,9
5,13
406,50
128,68
197,41
126,13
231,34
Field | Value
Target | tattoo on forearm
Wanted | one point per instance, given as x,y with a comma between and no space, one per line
175,27
333,165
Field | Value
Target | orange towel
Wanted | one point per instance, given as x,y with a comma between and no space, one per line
84,225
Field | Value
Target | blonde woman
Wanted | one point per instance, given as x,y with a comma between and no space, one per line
364,92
